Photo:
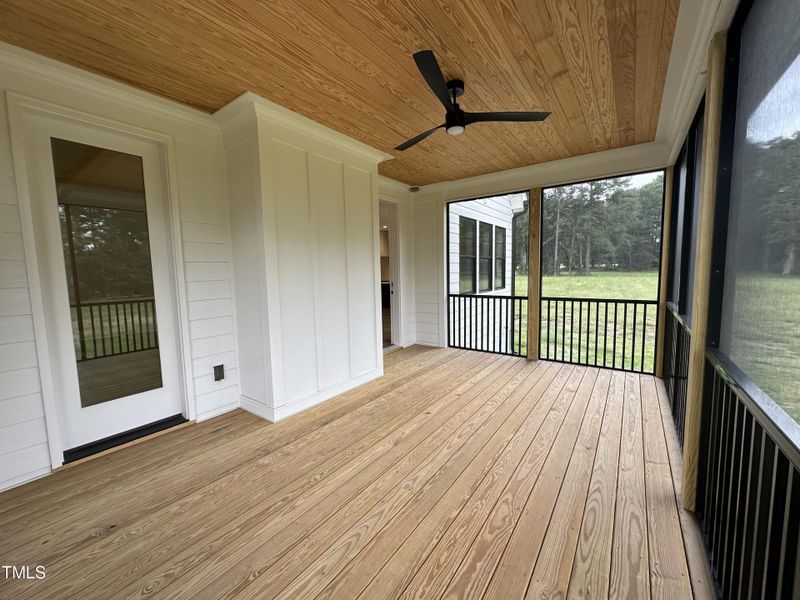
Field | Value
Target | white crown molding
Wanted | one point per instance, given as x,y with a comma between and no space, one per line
28,64
620,161
232,114
697,23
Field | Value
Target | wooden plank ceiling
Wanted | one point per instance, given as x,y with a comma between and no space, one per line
598,65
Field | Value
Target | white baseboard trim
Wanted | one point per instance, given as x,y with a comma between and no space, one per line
257,408
300,404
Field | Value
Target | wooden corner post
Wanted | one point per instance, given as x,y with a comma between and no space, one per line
534,266
666,235
702,269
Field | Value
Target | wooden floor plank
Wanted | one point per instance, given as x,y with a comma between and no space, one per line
456,474
88,521
174,531
481,445
669,573
592,563
696,559
503,556
553,568
279,532
116,469
420,554
630,573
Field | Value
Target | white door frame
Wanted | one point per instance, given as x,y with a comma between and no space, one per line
21,108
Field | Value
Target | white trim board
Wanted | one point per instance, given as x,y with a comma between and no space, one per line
298,405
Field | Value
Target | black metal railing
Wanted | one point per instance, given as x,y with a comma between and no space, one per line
496,324
677,338
115,327
748,497
603,332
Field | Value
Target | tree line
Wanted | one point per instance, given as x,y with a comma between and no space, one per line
602,225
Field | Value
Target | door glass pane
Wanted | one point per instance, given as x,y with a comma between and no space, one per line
101,206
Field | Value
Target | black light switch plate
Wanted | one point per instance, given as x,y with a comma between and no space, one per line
219,372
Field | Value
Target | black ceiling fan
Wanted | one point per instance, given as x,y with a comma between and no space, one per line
456,119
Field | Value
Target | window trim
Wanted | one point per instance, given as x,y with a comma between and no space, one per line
473,257
497,270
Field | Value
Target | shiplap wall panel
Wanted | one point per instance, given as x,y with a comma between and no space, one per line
19,409
203,207
427,272
23,439
326,179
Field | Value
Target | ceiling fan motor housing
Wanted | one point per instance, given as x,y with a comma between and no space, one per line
456,87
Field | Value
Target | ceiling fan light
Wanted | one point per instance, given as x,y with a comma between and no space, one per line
455,129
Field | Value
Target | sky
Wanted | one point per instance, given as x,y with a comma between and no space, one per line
643,178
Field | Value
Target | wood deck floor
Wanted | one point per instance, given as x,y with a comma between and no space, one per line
456,475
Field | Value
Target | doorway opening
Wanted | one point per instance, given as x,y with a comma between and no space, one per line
387,231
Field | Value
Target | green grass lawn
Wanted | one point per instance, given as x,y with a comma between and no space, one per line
629,286
601,344
765,329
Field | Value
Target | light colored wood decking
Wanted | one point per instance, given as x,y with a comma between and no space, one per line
456,475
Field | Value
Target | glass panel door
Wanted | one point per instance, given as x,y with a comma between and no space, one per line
104,232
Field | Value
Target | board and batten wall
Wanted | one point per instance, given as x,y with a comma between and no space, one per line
304,205
206,298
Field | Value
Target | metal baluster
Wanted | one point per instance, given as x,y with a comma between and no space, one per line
119,329
596,328
644,337
580,328
94,333
548,331
614,339
605,333
633,340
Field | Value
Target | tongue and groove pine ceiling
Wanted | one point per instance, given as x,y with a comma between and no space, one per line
598,65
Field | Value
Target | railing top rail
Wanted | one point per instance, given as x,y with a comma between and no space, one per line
590,299
125,301
487,296
776,421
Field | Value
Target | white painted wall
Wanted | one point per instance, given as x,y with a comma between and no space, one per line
207,297
304,203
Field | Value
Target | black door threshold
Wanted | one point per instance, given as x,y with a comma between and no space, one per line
79,452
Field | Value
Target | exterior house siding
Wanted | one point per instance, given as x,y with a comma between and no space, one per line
498,211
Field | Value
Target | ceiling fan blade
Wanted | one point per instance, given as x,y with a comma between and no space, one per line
505,116
407,144
429,67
